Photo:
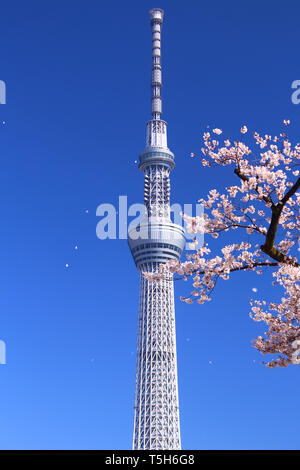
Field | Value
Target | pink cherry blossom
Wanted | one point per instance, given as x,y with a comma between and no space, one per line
263,206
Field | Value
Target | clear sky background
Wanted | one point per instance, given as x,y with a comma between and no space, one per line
78,98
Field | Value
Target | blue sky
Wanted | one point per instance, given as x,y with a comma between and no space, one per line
78,98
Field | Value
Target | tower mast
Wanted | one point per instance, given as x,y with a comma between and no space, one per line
154,241
156,84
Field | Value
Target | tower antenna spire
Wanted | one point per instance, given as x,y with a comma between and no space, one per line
156,15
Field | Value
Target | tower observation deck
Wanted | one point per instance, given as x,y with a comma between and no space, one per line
154,241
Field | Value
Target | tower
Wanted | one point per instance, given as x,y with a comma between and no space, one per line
154,241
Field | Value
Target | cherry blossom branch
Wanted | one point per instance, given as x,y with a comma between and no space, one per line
268,247
267,179
267,199
232,270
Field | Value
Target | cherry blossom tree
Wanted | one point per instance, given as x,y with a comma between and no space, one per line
263,207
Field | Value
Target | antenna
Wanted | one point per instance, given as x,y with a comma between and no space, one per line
156,16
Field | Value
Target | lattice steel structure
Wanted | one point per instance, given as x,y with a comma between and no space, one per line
155,240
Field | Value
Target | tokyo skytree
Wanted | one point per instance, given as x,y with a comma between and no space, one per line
153,241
